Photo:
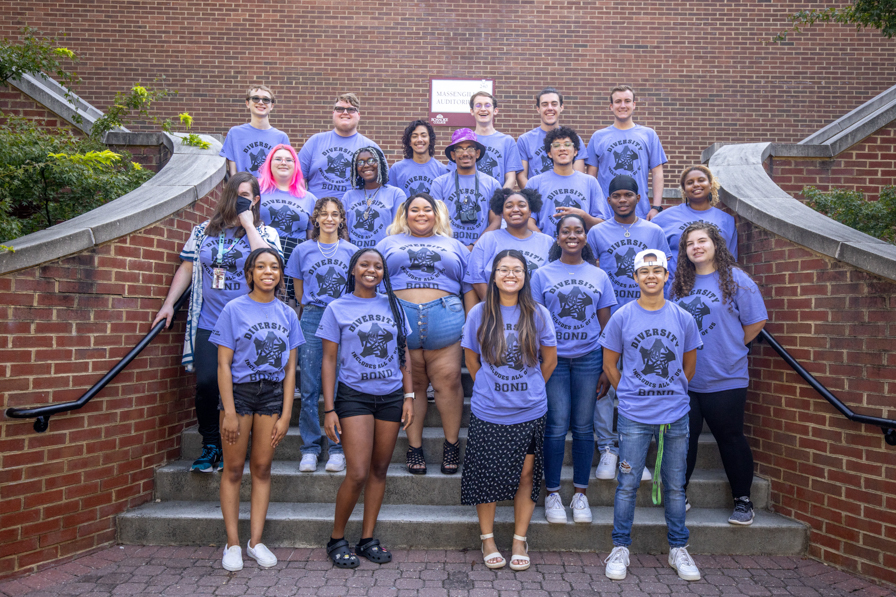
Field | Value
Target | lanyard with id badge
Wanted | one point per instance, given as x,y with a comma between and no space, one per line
219,273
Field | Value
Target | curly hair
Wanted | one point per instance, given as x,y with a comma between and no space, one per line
724,262
555,251
319,206
441,227
382,172
561,132
406,138
249,265
500,197
713,183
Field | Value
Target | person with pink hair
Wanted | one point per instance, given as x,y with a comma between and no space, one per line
285,204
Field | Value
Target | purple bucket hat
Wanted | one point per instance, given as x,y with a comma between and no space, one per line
461,135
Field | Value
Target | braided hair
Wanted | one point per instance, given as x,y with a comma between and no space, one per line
394,306
382,171
555,251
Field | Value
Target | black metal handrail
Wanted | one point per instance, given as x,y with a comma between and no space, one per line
888,426
43,413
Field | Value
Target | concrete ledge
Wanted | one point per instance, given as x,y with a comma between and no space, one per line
855,119
189,175
749,192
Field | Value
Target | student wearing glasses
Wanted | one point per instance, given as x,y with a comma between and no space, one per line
500,157
246,146
326,158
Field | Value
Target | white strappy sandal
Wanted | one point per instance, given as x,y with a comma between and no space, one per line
485,558
520,567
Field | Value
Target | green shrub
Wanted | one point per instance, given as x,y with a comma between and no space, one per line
875,218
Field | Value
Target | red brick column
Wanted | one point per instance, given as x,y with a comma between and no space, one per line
63,325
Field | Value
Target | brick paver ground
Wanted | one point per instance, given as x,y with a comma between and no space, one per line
196,571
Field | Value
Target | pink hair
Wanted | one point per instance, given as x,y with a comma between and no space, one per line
266,178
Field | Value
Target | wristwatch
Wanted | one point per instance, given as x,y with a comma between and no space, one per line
658,208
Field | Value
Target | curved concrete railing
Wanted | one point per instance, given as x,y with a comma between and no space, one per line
747,189
189,175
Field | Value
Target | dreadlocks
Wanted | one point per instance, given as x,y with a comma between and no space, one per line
382,171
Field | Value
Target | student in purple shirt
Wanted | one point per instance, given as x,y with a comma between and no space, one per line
257,336
416,172
549,105
247,146
729,311
285,204
375,396
510,350
579,296
372,204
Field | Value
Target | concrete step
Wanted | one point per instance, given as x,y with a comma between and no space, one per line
289,449
456,527
174,482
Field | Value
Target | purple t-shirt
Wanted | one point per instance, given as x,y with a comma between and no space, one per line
248,147
367,225
633,152
653,390
413,178
531,146
722,360
434,261
514,392
501,156
674,220
534,248
368,343
326,161
444,188
577,190
323,278
290,216
260,336
573,294
616,253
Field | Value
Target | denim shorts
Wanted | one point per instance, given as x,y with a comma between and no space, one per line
352,403
257,398
435,324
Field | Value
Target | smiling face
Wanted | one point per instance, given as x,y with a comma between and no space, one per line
329,218
368,271
421,217
265,274
622,106
283,166
571,237
623,203
697,187
563,151
700,248
465,155
346,121
366,170
650,279
510,274
484,110
259,108
420,141
549,109
516,211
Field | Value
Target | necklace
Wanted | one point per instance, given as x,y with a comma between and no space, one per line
627,230
369,202
566,266
331,251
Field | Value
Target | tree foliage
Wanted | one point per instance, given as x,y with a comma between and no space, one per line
36,55
875,218
876,14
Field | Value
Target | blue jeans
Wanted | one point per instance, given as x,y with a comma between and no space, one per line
571,391
634,440
310,361
435,324
604,436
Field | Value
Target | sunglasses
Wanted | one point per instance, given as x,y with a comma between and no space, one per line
262,100
341,109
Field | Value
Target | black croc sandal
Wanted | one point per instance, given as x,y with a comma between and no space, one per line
373,552
342,556
450,457
415,460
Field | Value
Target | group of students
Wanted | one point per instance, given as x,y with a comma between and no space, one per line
559,297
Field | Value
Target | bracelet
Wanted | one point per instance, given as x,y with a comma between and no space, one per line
410,395
332,410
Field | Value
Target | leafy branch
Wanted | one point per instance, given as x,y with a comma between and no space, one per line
876,14
875,218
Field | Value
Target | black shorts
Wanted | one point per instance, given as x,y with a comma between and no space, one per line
352,403
257,398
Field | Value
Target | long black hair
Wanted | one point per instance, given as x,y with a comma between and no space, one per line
406,138
394,306
555,251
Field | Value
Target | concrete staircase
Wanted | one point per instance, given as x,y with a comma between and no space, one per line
424,512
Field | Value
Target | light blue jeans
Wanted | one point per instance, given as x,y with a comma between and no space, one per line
634,440
571,390
310,361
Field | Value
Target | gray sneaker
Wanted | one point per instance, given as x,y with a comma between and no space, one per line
743,512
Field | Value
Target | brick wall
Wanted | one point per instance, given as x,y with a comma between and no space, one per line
836,476
62,326
867,166
15,103
699,67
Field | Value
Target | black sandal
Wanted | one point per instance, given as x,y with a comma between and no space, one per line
342,556
450,457
373,552
415,460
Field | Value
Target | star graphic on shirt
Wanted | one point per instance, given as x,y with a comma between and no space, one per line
657,359
338,164
625,159
374,341
331,283
228,262
513,357
573,303
487,165
423,260
420,188
362,223
284,219
625,264
258,158
269,351
698,310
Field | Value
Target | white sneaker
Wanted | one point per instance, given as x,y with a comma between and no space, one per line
262,555
308,464
233,558
646,476
581,511
336,463
554,512
606,468
681,560
616,564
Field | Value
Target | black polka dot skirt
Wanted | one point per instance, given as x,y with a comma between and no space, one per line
494,457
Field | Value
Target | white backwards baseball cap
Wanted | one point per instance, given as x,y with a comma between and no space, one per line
656,258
